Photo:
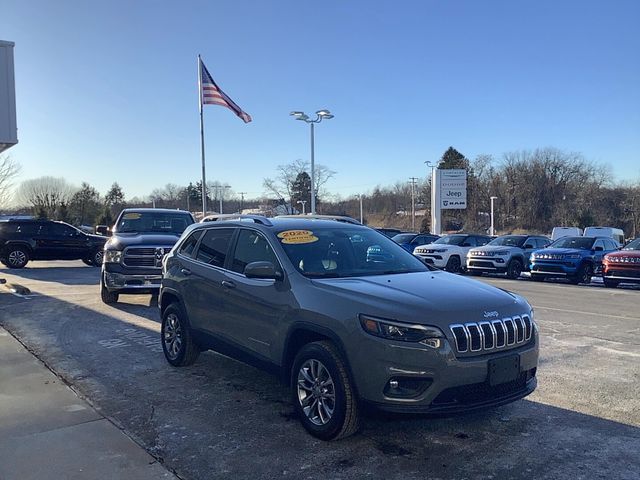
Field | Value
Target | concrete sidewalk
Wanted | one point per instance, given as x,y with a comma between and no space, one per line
47,432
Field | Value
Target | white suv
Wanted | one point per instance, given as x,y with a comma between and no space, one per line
450,251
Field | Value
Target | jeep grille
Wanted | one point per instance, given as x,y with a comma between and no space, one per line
492,335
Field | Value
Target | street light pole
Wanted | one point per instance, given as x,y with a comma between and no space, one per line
303,202
221,189
361,215
491,231
413,202
320,115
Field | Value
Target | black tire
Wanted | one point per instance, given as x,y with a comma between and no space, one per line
610,283
345,417
585,272
514,269
175,332
453,265
17,257
107,296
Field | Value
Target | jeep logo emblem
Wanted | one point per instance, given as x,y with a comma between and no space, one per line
491,314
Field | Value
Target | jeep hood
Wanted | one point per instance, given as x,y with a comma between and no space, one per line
564,251
430,298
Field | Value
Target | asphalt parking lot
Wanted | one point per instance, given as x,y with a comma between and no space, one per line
222,419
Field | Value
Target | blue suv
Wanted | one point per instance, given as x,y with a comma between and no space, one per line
575,258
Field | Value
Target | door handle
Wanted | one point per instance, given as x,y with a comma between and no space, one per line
185,271
228,284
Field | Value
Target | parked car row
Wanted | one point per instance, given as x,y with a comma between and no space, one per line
575,258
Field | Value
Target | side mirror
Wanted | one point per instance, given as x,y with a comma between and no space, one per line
598,249
265,270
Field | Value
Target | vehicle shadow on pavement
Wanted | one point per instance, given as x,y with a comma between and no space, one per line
223,419
65,275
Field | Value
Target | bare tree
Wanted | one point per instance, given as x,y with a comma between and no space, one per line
9,170
282,184
45,194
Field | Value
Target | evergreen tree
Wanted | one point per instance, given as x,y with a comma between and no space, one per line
301,191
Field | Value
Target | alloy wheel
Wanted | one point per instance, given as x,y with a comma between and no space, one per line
17,258
172,336
316,392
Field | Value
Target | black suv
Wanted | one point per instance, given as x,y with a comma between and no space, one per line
134,253
24,240
348,317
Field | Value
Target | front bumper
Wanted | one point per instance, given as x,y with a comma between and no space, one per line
488,264
554,269
621,273
119,279
445,383
436,259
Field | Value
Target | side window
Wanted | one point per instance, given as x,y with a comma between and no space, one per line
252,247
482,241
214,246
420,240
190,244
60,230
470,242
611,245
599,243
542,243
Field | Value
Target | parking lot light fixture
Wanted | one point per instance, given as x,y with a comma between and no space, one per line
320,115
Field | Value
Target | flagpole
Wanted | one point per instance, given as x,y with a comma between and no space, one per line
204,177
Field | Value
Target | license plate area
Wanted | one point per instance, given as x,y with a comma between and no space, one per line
504,369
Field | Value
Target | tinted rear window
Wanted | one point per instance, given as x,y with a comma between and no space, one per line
214,246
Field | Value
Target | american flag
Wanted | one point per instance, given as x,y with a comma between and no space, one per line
211,94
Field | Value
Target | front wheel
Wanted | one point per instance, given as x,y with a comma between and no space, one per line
514,269
107,296
323,395
453,265
585,272
17,257
95,258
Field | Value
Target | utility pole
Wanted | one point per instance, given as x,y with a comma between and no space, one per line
242,194
361,215
413,181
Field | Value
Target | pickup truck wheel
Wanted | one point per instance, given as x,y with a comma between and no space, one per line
177,342
610,283
453,265
514,269
323,395
95,258
107,296
585,272
17,257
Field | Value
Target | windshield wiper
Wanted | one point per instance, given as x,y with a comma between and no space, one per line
322,275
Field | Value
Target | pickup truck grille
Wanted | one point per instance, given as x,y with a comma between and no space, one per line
493,335
144,257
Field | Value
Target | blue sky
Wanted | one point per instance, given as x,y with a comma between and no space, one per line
107,91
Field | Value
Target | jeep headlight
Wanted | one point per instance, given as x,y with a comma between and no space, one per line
403,332
112,256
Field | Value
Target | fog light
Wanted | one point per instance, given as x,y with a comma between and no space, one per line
394,384
406,387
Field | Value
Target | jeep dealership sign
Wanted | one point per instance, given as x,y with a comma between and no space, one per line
453,189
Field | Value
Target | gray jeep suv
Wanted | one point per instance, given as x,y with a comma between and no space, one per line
347,317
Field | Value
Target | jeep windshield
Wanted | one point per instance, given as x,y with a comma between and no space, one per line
581,243
452,240
323,252
633,245
508,241
172,223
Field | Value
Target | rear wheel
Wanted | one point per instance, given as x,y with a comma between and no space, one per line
323,395
107,296
453,265
585,272
95,258
177,342
514,269
610,283
17,257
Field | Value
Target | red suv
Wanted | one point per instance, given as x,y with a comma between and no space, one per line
622,266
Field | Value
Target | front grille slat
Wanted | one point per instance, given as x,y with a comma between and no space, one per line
474,337
144,257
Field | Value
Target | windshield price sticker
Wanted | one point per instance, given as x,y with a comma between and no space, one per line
297,236
131,216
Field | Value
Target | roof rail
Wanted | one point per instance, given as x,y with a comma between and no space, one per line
233,216
336,218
